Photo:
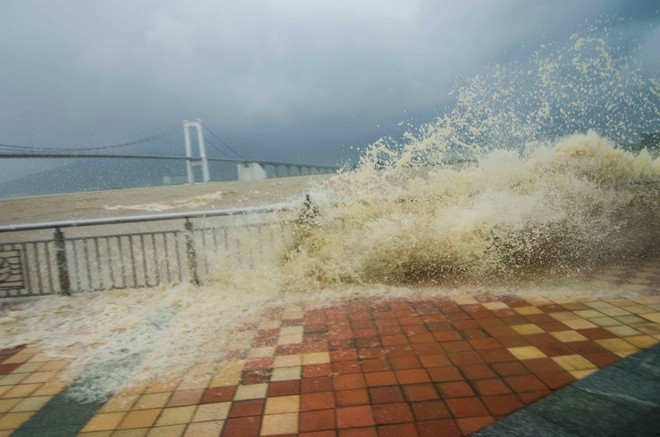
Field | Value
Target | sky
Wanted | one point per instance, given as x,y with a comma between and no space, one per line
288,80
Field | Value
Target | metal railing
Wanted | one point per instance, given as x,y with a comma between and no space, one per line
135,251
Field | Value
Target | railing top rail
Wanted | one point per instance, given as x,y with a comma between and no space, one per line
147,218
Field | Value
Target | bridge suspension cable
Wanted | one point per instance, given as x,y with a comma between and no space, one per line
223,143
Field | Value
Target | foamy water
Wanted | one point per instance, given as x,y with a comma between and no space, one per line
546,197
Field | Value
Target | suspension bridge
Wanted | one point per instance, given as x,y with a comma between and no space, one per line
195,155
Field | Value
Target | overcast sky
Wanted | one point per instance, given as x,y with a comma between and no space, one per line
287,80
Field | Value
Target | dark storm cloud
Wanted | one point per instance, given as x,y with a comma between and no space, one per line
279,79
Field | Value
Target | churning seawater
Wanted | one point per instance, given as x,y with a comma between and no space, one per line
523,186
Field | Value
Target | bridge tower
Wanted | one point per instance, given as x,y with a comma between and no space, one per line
191,160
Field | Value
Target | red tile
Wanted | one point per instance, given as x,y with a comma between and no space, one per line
365,333
602,359
385,395
400,430
422,338
457,346
525,383
242,427
466,407
442,374
532,396
392,413
477,371
497,356
470,425
253,407
464,358
312,370
259,364
380,378
368,342
583,347
358,432
348,366
510,368
346,398
317,401
541,338
596,333
218,394
513,341
555,349
466,324
553,326
346,354
370,353
354,417
317,420
423,349
437,360
289,349
490,387
375,365
316,384
502,405
420,392
455,389
439,428
430,410
6,369
393,340
257,376
556,380
399,352
404,362
542,365
444,336
485,344
318,346
185,397
412,376
284,388
348,381
539,318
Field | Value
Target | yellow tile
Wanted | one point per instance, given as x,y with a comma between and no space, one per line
588,314
40,357
282,404
151,400
104,422
316,358
528,310
288,360
119,403
527,329
20,357
526,352
28,367
13,378
564,315
204,429
176,415
291,335
139,419
21,390
275,424
579,324
649,328
226,379
269,324
14,420
252,391
465,300
614,312
286,373
495,306
39,377
138,432
4,389
631,320
162,386
573,362
653,317
195,383
293,313
215,411
623,331
605,321
640,309
581,374
167,431
263,352
33,403
617,346
55,365
96,434
568,336
133,389
8,404
642,341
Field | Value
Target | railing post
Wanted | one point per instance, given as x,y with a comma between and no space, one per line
192,256
62,267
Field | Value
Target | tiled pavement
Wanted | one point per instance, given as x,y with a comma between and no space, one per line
368,367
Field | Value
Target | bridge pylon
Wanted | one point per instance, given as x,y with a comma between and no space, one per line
190,159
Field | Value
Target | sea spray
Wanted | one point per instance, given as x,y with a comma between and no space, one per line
510,187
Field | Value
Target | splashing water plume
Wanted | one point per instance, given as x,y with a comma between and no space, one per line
512,184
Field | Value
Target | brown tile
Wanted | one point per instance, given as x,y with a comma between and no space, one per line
242,427
502,405
420,392
555,349
185,397
430,410
436,428
283,388
139,419
385,395
253,407
455,389
470,425
354,417
317,401
392,413
218,394
602,359
380,378
466,407
492,386
346,398
317,420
